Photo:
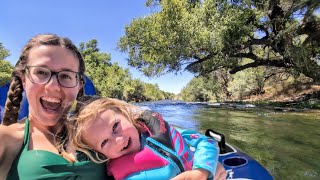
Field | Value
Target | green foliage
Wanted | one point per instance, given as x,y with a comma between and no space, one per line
5,72
5,66
3,52
221,86
200,89
97,66
151,92
249,82
204,36
211,87
111,80
192,92
133,91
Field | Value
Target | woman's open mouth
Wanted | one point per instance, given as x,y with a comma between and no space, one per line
50,103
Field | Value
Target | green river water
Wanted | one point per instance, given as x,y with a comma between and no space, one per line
286,143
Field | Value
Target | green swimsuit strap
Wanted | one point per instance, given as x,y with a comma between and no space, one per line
26,138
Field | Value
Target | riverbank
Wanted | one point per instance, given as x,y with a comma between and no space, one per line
272,106
292,98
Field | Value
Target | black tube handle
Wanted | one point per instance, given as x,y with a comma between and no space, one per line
218,137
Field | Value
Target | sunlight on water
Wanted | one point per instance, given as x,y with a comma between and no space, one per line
176,113
287,144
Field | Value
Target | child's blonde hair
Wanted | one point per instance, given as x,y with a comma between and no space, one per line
89,111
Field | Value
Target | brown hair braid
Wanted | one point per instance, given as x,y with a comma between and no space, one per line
12,106
14,97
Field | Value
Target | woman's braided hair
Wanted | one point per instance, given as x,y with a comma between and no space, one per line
14,96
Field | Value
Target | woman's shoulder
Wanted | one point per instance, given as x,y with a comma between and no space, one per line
11,138
12,133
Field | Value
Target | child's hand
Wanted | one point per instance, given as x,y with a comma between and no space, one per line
221,173
197,174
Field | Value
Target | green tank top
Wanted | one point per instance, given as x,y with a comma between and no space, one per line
40,164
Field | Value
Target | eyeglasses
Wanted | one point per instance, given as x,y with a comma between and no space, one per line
42,75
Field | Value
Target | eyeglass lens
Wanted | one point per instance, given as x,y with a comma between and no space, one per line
42,75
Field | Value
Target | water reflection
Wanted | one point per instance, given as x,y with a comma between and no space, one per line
287,144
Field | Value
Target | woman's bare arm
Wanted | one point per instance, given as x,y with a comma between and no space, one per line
11,142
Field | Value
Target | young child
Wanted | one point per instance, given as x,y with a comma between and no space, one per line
140,145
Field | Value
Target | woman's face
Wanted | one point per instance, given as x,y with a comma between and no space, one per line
112,135
47,102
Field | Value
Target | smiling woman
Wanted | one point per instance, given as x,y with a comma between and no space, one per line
50,71
89,89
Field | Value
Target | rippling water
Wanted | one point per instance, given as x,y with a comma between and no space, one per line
286,143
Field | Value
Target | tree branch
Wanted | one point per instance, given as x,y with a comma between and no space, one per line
199,60
274,63
249,55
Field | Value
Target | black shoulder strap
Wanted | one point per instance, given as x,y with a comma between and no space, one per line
159,128
160,131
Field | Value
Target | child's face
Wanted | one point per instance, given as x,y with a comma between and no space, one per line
112,135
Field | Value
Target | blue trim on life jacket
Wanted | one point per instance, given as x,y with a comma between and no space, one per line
166,153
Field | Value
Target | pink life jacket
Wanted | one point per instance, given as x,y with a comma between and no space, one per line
164,155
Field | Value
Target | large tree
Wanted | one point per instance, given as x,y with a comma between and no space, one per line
109,79
204,36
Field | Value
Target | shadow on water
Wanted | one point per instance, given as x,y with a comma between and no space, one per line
286,143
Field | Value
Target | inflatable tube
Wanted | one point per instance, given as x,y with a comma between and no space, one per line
239,166
89,89
3,96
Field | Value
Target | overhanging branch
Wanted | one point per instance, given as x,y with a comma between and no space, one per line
274,63
249,55
199,60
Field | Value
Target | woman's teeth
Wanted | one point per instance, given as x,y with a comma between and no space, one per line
51,99
50,103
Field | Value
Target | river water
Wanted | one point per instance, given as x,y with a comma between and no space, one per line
286,143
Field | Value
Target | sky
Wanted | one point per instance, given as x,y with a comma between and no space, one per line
81,21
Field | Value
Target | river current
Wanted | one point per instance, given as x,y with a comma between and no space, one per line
286,143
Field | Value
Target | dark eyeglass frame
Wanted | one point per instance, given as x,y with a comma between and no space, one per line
56,73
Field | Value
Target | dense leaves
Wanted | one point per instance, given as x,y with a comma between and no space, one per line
111,80
5,67
204,36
